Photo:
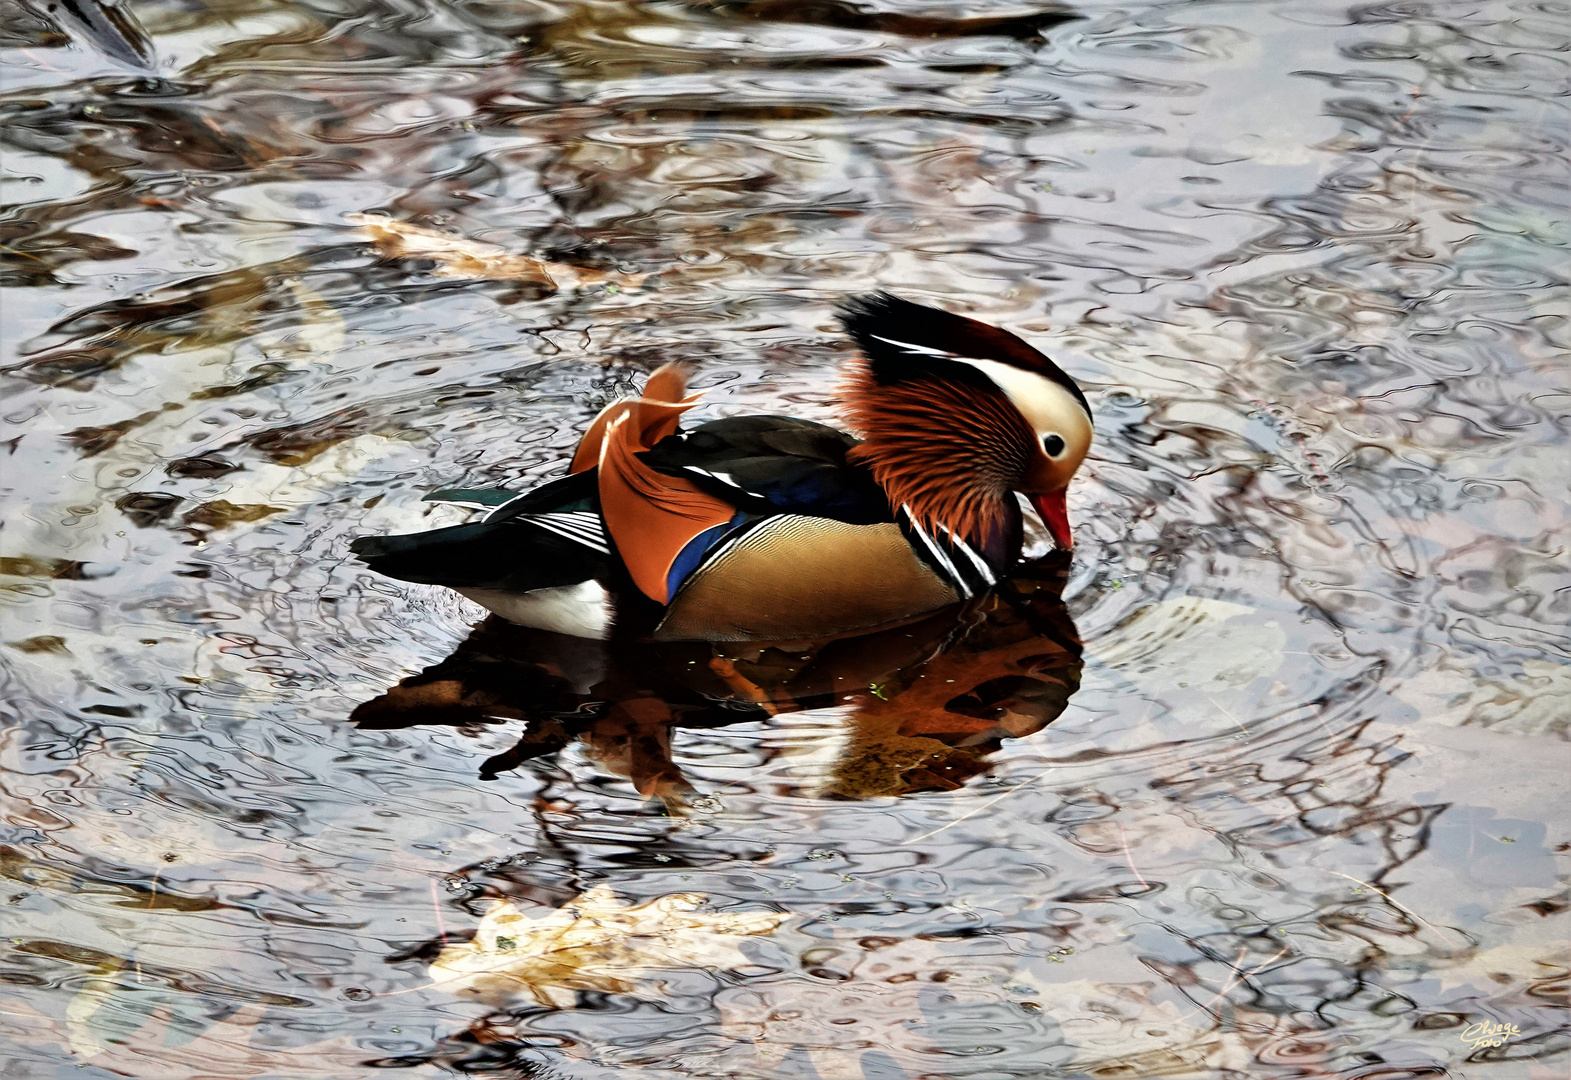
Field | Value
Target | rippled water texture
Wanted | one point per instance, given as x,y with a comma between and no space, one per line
1298,806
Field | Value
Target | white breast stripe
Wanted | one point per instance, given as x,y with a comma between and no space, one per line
954,575
965,549
725,545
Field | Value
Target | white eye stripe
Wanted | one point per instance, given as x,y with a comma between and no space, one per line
1032,394
917,350
1051,409
1048,407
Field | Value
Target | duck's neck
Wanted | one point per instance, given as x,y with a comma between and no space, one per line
946,455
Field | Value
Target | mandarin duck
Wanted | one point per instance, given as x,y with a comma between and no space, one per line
772,528
928,701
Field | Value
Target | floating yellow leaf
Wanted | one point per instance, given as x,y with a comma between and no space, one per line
457,257
594,943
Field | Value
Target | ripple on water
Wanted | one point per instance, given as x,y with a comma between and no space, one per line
1296,806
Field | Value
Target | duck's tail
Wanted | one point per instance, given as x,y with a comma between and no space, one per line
544,538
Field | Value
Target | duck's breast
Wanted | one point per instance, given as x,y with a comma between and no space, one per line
793,577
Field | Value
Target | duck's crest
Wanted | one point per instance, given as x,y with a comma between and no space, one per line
903,341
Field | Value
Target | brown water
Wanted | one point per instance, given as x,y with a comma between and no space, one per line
1302,811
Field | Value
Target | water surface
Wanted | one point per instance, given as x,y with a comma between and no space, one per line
1288,795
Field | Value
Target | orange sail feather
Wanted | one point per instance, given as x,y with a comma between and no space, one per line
649,515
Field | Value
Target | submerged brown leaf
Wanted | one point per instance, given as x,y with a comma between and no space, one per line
43,643
220,512
457,257
94,440
43,566
594,943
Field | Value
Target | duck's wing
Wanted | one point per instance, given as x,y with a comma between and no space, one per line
766,465
574,493
473,498
545,538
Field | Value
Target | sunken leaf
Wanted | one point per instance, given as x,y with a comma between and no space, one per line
594,943
456,256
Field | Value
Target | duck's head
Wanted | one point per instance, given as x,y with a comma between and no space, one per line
955,415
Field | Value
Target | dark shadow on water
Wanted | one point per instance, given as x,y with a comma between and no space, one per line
930,700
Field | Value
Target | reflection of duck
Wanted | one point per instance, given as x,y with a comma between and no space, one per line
773,528
929,700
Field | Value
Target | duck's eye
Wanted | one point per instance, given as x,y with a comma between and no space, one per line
1053,445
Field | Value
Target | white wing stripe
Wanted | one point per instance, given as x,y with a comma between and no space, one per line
588,528
724,478
580,533
576,534
588,538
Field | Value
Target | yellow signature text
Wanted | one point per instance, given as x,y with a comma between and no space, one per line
1487,1034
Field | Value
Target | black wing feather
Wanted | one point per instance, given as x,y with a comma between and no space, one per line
774,465
575,491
